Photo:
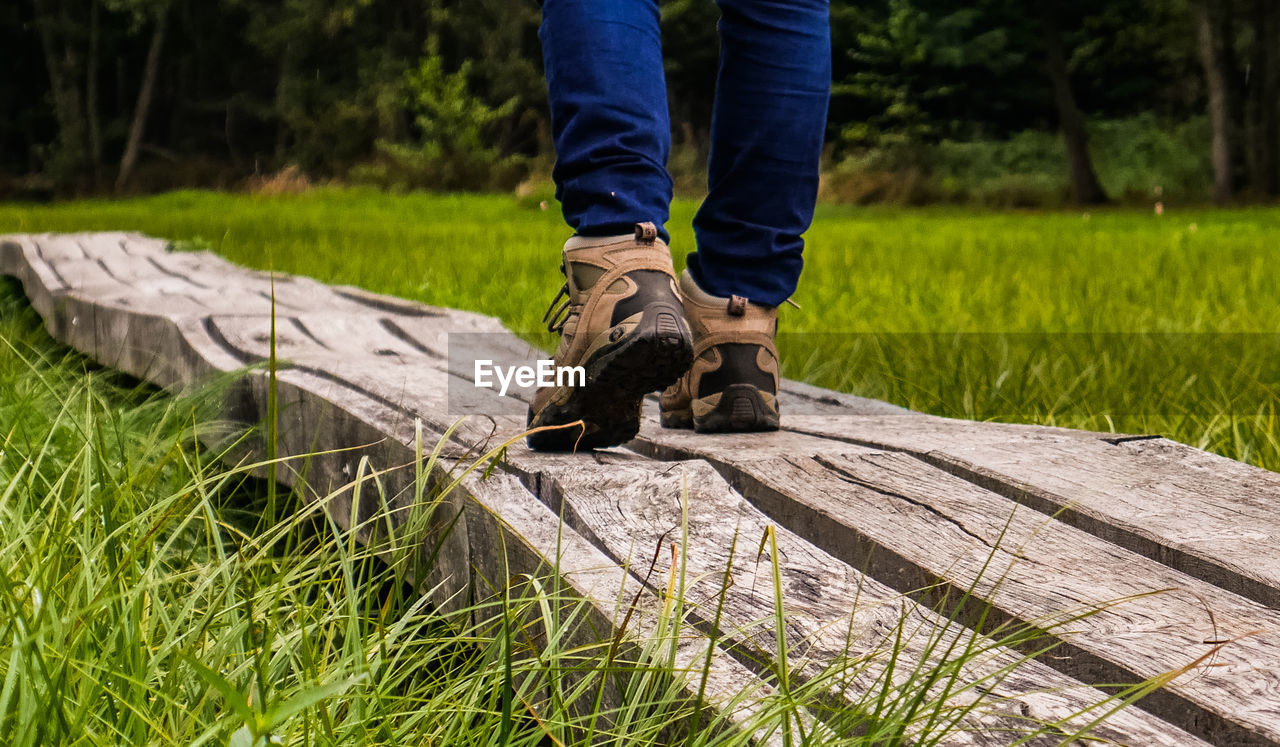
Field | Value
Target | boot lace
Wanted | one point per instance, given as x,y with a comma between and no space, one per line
559,313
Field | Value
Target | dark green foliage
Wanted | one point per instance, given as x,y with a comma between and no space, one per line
351,89
454,137
911,64
920,70
1140,159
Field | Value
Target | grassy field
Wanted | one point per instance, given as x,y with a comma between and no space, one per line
1116,320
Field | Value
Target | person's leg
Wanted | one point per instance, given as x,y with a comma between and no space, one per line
609,119
621,320
766,140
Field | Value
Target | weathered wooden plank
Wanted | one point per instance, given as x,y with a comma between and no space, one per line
18,258
484,535
56,247
928,432
169,349
832,611
533,464
1202,514
410,382
537,544
534,467
910,523
805,399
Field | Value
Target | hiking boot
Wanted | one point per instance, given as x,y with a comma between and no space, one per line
622,321
733,384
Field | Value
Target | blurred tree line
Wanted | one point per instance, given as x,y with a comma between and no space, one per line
123,95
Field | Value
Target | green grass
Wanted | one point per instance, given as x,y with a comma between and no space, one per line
984,315
149,595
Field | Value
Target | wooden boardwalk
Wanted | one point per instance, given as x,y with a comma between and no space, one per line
1173,550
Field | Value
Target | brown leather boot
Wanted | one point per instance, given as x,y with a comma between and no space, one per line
623,322
733,384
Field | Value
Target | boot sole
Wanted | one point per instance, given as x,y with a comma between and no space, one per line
741,410
679,419
656,353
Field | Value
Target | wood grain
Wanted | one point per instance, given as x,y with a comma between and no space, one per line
910,523
1203,514
832,612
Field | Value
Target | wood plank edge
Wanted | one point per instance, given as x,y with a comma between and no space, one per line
1064,510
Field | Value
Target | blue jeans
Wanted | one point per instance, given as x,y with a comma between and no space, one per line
612,134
